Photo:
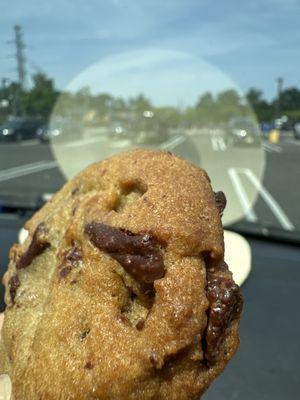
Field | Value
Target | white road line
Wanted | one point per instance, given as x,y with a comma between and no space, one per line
268,150
242,195
26,169
214,144
272,203
83,142
222,144
32,142
170,144
293,141
272,147
218,143
19,168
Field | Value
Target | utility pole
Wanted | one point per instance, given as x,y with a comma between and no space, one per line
279,91
20,57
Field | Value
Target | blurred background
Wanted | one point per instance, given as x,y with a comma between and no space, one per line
219,86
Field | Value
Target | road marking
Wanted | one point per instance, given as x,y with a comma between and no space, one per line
26,169
170,144
20,168
218,143
214,144
293,141
242,195
82,142
271,147
262,191
272,203
32,142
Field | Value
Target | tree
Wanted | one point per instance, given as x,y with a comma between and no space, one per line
13,94
290,100
229,105
205,109
263,110
140,104
40,100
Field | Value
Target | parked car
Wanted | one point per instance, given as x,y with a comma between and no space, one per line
118,130
44,133
243,132
63,129
297,130
19,129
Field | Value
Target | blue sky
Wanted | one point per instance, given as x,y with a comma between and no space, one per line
251,42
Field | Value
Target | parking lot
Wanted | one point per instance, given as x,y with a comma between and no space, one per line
30,173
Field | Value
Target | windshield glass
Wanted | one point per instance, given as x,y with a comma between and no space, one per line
217,85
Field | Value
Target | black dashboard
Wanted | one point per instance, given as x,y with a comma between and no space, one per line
266,366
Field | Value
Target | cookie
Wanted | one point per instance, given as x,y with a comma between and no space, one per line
120,290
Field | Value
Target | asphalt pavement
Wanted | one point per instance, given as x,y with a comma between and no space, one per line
267,177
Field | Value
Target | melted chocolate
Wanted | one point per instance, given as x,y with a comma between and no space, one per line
13,285
38,244
89,365
140,325
225,306
138,254
71,258
221,201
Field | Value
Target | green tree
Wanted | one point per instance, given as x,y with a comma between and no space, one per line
40,100
205,109
140,103
290,100
263,110
229,105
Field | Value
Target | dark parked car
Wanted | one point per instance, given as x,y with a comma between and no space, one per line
297,130
243,132
44,133
19,129
63,129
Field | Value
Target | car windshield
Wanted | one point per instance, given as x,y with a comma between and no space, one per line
215,83
15,123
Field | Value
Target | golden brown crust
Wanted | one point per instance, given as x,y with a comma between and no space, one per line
81,326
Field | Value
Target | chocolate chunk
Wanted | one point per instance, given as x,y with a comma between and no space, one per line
225,306
124,320
139,254
154,359
221,201
84,334
13,285
71,258
140,325
65,271
75,191
89,365
38,244
73,255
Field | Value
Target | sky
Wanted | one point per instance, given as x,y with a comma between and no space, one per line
248,43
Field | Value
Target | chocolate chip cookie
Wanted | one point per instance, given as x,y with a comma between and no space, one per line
121,292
